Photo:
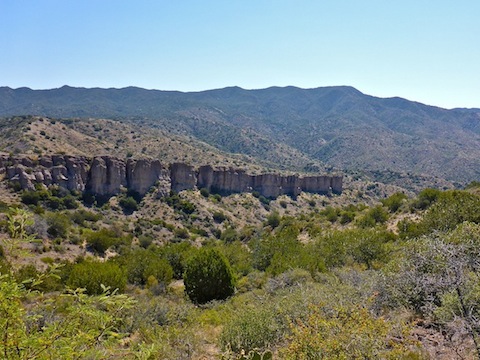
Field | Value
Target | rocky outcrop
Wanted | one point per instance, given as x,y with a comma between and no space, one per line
224,180
183,177
142,174
106,175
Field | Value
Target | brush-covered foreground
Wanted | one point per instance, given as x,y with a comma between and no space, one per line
197,275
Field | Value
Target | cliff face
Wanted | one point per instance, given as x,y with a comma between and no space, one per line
105,175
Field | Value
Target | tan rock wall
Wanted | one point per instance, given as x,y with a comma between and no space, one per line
106,175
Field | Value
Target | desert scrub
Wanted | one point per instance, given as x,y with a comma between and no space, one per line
141,264
346,333
251,329
91,275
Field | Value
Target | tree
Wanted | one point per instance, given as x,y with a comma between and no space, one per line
208,276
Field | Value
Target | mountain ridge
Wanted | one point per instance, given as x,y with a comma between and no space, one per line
337,125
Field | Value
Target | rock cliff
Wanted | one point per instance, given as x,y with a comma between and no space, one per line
106,175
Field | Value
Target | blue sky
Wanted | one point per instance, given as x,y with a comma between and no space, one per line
428,51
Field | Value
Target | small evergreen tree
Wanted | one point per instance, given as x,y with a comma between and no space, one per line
208,276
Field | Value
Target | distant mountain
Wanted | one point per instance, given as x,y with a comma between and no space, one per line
339,126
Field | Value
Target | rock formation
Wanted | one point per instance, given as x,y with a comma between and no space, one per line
142,174
106,175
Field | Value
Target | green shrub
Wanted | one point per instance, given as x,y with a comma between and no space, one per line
55,198
251,329
204,192
374,216
364,246
273,219
208,276
238,256
229,235
58,225
128,204
179,204
451,209
177,255
141,264
181,233
91,274
394,201
330,213
426,198
26,273
347,333
145,241
33,197
264,200
279,252
219,217
346,217
79,217
217,197
99,241
69,202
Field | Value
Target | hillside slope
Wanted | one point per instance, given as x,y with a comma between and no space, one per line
339,126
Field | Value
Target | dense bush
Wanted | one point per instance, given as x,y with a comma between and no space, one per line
91,275
426,198
252,329
176,202
375,215
451,209
141,264
219,217
99,241
34,197
281,251
347,333
238,256
273,219
128,204
57,327
177,255
54,198
208,276
330,213
229,235
394,202
81,216
364,246
58,225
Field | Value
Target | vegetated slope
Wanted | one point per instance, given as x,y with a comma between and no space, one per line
34,135
337,125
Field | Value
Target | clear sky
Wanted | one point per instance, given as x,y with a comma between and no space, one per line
427,51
